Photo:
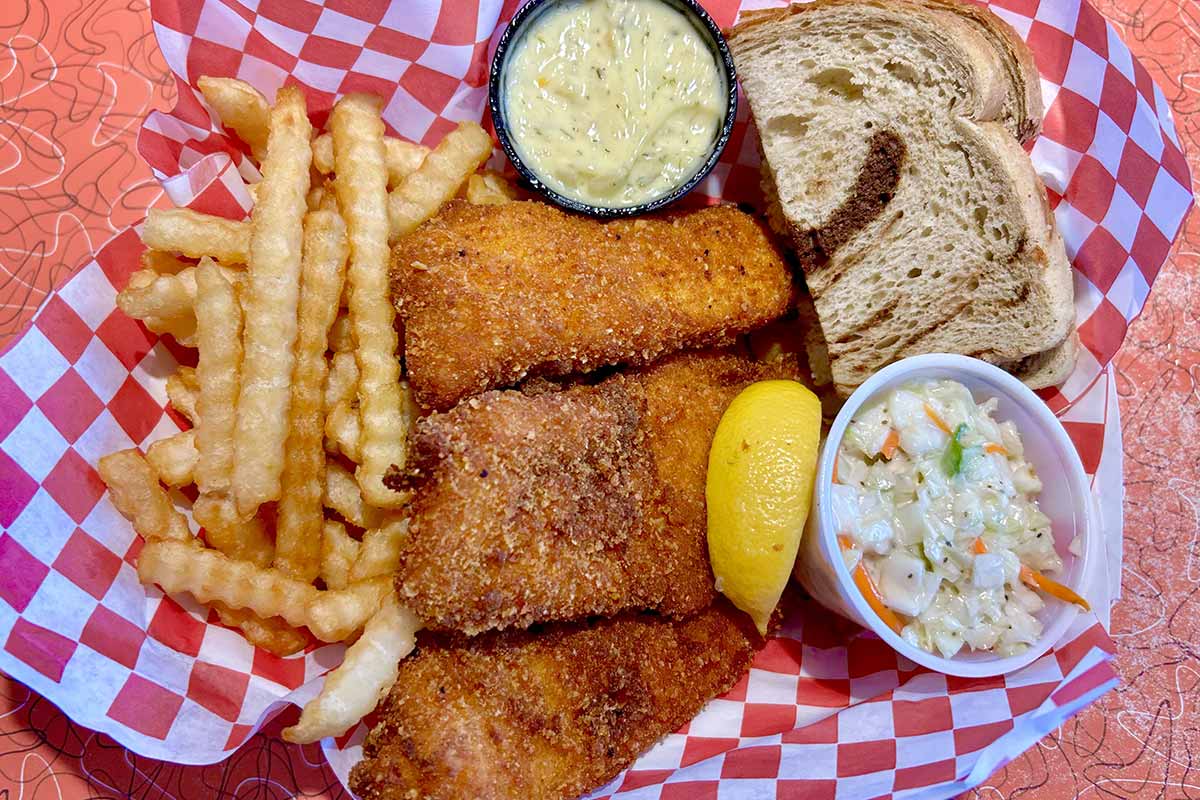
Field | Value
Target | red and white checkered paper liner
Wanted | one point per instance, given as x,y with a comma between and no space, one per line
827,710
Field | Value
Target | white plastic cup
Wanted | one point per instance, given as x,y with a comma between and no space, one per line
1065,498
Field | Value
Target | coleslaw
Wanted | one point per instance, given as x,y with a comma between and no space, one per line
938,520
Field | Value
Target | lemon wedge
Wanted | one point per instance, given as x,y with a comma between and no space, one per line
761,468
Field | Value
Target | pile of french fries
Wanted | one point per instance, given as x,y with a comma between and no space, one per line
298,401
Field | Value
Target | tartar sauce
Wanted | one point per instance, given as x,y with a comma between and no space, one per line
613,102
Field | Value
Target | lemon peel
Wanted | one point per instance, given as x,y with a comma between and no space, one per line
761,468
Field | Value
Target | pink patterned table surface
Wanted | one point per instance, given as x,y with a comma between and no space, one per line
77,77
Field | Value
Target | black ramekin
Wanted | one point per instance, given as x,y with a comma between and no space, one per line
516,28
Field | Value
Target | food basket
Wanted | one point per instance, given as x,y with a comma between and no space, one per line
828,710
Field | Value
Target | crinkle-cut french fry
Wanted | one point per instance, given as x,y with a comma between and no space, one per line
362,197
343,495
440,176
329,203
166,302
174,458
336,615
341,338
298,523
243,539
182,389
322,149
162,302
235,275
270,300
343,431
401,158
341,385
241,108
367,672
194,234
339,553
161,262
175,293
380,550
137,494
211,576
490,189
272,634
219,337
316,196
188,376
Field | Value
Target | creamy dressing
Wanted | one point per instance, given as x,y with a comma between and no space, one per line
613,102
940,507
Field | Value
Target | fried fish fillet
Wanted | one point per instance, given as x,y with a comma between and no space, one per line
546,715
492,294
572,503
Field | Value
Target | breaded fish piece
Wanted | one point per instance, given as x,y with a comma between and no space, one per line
492,294
572,503
546,715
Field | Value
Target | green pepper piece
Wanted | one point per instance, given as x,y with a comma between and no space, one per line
952,456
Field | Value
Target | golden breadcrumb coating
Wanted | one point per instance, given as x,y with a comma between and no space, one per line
572,503
492,294
550,714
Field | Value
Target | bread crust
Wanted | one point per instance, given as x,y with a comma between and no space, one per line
1056,279
1023,109
996,106
1049,367
965,23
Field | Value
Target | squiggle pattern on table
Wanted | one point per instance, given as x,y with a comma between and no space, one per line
40,749
1143,740
75,80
